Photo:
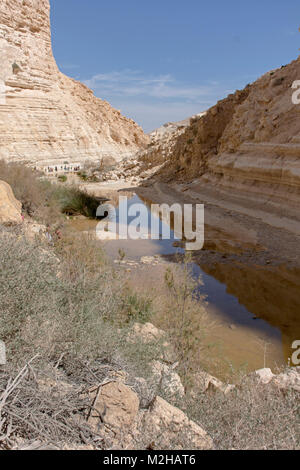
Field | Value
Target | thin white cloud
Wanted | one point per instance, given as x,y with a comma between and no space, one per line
134,83
152,100
153,115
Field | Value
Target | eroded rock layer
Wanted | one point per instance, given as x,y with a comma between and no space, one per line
246,149
45,115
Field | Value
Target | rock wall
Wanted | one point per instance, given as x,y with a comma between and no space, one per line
45,115
162,143
246,147
260,147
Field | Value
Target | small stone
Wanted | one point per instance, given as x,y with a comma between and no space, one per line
265,375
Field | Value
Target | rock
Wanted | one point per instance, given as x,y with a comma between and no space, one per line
264,375
289,380
55,387
10,208
216,387
116,406
162,143
2,354
38,228
48,118
167,380
165,427
35,445
205,382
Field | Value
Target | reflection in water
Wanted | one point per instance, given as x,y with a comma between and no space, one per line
269,293
259,301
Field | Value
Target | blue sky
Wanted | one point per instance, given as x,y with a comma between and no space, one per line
165,60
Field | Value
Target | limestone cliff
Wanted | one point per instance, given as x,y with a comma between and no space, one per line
45,115
162,143
246,148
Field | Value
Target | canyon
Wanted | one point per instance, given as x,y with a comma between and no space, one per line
107,377
243,154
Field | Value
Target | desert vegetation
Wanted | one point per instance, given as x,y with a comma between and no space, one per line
67,316
45,200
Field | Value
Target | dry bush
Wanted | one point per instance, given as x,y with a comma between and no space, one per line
74,302
50,306
183,316
32,409
254,416
24,183
67,311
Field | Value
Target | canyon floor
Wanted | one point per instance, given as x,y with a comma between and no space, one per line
250,271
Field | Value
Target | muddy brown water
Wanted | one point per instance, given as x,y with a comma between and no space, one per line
256,308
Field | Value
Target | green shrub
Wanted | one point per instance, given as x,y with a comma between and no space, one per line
73,201
82,175
62,178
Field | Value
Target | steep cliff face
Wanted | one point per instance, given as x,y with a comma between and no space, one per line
246,149
201,139
45,115
260,147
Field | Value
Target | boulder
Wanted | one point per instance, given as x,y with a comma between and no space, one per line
147,332
167,380
32,230
164,426
116,406
10,208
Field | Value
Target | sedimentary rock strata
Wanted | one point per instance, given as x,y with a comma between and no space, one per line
44,115
244,152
